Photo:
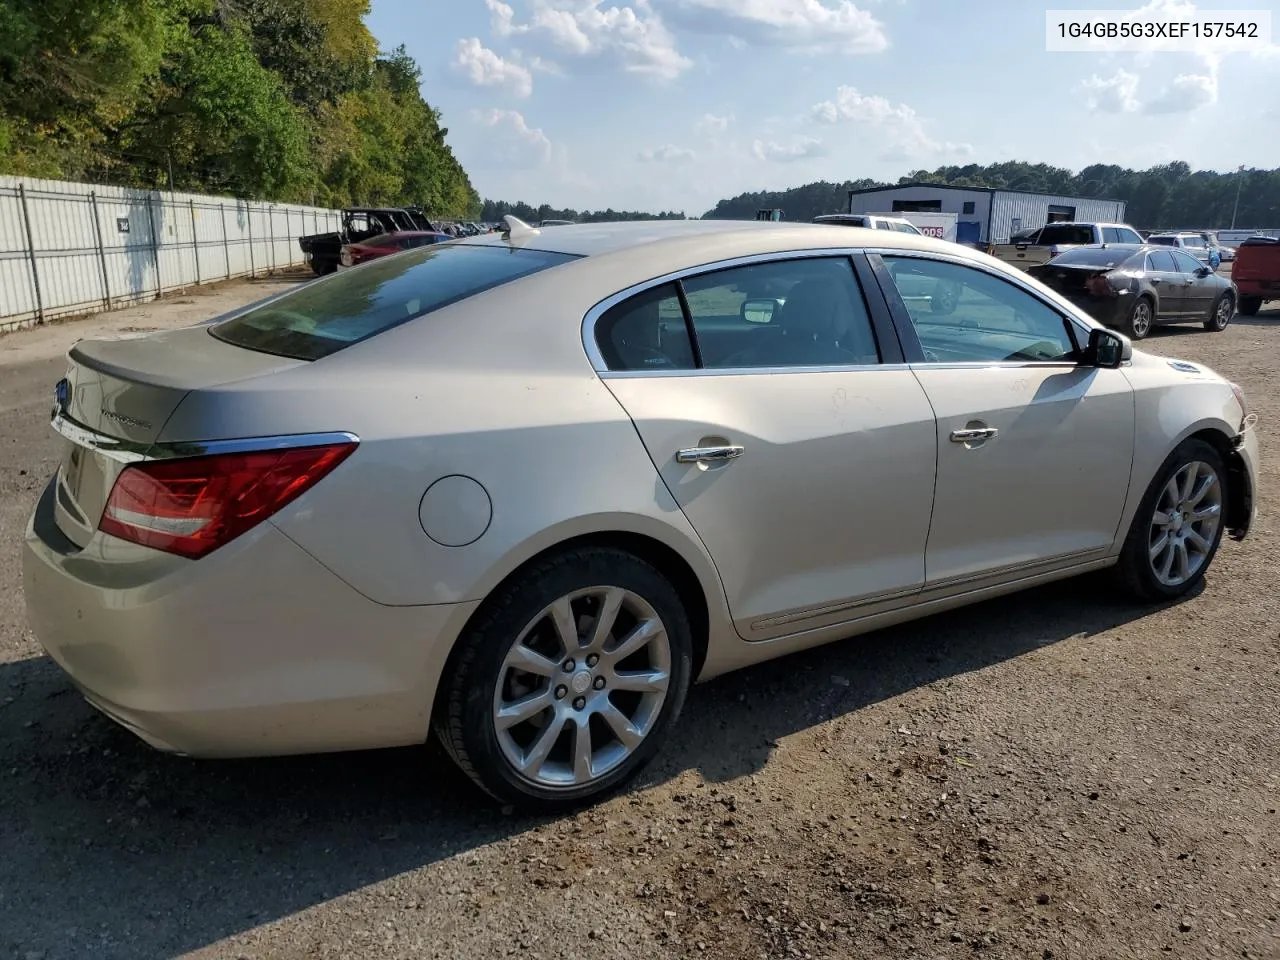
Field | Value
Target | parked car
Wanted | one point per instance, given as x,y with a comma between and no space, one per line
1256,273
1054,238
870,221
1134,289
324,250
354,254
222,561
1193,243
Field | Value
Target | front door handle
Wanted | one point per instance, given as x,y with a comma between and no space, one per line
709,454
971,434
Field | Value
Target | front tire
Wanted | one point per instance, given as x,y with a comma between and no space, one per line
1178,526
1250,306
1224,309
569,680
1142,316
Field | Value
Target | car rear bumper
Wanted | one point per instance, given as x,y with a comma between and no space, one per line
254,650
1266,289
1109,311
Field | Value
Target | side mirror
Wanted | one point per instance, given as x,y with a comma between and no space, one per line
1108,349
759,310
1204,271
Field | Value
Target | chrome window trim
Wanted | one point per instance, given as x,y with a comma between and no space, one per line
596,312
1016,281
130,451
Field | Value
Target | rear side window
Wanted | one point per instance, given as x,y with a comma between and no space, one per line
329,315
646,332
1055,233
1162,262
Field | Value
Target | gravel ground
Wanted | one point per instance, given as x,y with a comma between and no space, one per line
1051,775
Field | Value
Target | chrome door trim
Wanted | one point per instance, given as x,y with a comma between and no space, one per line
812,613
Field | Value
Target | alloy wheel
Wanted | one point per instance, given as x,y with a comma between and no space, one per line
1184,526
582,687
1141,318
1222,315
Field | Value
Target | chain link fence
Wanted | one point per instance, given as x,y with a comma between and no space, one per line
75,248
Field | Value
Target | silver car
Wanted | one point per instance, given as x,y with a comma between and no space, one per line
523,489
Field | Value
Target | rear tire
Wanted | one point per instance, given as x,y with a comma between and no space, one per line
1178,527
1249,306
1142,316
530,678
1220,314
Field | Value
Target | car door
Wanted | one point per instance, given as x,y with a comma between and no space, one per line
1034,448
1169,284
1198,292
803,456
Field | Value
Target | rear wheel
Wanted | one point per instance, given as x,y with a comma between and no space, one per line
1178,526
568,683
1250,306
1141,316
1224,309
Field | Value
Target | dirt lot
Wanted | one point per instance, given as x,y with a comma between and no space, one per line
1052,775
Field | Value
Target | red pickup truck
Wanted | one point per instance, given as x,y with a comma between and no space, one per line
1256,273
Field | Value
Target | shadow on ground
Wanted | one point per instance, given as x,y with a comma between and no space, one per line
110,847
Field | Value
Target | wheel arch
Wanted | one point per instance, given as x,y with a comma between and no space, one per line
1239,488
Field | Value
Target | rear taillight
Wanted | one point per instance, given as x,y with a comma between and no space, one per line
194,505
1099,286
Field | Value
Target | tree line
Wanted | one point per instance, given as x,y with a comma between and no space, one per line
286,100
1167,196
494,210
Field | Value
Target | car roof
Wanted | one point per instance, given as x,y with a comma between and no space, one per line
688,238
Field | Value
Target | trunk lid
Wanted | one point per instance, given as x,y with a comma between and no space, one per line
1070,280
116,397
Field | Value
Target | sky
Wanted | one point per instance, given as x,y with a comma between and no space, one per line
676,104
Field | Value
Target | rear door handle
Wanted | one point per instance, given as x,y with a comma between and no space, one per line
709,454
973,433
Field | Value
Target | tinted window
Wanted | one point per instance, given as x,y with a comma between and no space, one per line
1163,241
1111,235
324,317
816,315
1064,233
1186,263
1162,260
1193,242
647,332
1093,257
882,225
965,315
1129,236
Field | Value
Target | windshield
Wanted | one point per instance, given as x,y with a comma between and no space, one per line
328,315
1056,233
1092,257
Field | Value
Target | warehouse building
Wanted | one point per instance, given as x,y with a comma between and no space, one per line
985,215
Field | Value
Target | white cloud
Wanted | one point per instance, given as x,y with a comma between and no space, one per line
484,68
633,36
1116,94
900,129
1187,93
804,148
709,124
514,143
834,26
668,153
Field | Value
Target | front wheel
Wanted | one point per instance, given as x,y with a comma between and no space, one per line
1223,310
1141,316
568,683
1250,306
1178,526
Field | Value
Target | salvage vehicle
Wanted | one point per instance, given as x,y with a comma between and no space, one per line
1195,244
1053,238
323,251
1134,289
639,455
1256,273
354,254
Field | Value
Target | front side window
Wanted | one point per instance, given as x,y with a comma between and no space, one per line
964,315
1186,262
329,315
1065,233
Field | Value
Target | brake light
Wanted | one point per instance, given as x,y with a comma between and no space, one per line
1099,286
194,505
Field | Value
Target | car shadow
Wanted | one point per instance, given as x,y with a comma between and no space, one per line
109,847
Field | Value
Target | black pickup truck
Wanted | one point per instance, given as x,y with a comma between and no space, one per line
323,250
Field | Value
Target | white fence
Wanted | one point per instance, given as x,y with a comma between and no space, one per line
72,248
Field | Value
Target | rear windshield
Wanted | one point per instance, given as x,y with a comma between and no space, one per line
1163,241
1063,233
326,316
842,221
1093,257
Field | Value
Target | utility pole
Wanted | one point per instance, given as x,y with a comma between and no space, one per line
1239,184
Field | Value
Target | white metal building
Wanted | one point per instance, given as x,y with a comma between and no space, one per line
985,215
